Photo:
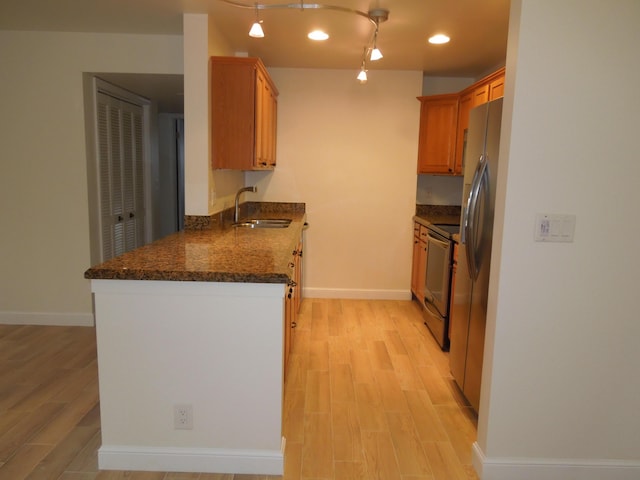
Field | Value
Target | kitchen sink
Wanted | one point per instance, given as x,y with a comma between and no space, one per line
263,223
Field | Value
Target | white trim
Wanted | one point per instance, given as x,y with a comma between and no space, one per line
366,294
47,318
552,468
210,460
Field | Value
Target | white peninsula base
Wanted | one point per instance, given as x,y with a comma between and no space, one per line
217,347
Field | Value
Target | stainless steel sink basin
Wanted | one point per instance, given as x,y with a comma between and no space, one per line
263,223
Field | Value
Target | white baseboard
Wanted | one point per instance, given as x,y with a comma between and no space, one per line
51,319
552,469
205,460
363,294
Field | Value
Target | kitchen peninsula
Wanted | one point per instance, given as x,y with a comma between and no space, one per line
195,323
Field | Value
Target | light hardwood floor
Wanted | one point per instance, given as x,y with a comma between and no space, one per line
368,396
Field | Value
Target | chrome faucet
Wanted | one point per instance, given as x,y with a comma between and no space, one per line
237,210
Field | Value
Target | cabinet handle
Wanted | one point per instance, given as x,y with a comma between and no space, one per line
294,324
291,283
291,264
131,214
120,218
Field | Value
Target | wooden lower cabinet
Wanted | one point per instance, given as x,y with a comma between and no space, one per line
416,254
418,270
292,301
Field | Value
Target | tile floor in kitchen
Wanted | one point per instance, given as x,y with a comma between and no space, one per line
368,395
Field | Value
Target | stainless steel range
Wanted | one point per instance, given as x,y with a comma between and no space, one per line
437,285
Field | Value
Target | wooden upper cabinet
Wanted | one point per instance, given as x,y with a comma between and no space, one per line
496,87
480,95
266,119
437,142
243,114
487,89
441,145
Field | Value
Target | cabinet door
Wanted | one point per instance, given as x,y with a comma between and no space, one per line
233,101
437,142
422,267
262,121
298,278
496,88
288,310
266,108
268,126
415,265
480,95
243,114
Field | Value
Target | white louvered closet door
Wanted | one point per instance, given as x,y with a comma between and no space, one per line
121,171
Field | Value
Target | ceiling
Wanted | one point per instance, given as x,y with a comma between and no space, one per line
478,30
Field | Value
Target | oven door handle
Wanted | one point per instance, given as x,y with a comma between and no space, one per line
428,303
444,243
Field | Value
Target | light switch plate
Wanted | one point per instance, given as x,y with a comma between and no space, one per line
554,227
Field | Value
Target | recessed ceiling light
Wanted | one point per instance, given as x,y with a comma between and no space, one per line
318,35
439,39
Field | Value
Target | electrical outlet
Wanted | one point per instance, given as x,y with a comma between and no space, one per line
183,417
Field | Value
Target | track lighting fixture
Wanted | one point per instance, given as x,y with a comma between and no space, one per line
375,16
376,54
362,75
256,29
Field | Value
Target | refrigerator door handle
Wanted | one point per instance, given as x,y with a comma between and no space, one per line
470,224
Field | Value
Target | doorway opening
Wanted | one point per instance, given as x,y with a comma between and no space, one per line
135,152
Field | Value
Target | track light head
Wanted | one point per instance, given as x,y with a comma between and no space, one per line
256,30
362,76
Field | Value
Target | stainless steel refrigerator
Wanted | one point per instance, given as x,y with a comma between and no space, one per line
469,311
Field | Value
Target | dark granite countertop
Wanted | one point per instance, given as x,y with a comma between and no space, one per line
448,214
215,253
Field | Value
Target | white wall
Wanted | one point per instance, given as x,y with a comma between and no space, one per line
440,85
206,190
561,387
214,346
349,152
44,245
